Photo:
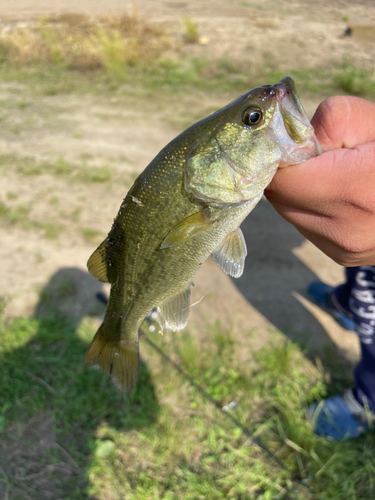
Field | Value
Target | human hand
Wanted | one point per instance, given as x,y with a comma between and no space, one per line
330,199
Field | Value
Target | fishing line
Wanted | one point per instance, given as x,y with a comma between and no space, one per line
217,405
149,319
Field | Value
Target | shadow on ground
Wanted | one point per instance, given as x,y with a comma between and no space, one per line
62,404
273,273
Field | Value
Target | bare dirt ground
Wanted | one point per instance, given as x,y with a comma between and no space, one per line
68,219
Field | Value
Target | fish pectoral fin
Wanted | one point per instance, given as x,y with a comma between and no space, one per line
231,253
173,313
97,263
119,359
187,228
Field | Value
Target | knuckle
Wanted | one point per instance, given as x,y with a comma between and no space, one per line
349,260
345,260
351,250
349,244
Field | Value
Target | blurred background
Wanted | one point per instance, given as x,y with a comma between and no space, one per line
89,93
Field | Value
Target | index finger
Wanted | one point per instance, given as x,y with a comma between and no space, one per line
314,186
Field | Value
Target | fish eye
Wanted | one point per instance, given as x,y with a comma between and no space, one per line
252,117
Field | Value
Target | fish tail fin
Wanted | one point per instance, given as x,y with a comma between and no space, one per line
119,359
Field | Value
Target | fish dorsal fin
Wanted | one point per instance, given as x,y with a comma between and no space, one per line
231,253
97,263
173,313
187,228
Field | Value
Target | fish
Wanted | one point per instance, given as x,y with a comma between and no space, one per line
189,204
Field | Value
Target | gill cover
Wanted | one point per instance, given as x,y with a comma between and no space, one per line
236,161
231,166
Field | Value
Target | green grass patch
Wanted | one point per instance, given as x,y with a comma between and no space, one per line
90,234
77,172
126,54
19,216
58,291
23,104
119,46
102,173
31,349
355,81
52,230
11,195
176,75
165,439
70,53
15,215
191,31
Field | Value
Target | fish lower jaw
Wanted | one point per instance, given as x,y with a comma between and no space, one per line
299,154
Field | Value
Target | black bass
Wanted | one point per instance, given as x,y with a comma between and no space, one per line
186,205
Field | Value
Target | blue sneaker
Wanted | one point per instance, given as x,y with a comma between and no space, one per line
340,417
320,294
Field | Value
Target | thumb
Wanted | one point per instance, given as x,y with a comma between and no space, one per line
344,122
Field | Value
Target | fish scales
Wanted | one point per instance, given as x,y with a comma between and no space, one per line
186,205
147,285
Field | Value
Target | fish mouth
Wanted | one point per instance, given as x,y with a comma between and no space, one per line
290,126
288,98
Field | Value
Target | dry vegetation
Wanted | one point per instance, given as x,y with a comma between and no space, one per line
83,43
115,45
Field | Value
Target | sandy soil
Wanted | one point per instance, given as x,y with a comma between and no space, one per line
118,132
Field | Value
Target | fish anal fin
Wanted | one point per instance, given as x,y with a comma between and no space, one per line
192,225
97,263
118,359
173,313
231,253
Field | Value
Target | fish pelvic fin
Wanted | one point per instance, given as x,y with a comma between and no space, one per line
231,253
97,263
118,358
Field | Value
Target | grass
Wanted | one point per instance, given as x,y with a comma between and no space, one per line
77,172
60,290
77,53
19,216
52,230
102,173
64,429
90,234
191,31
355,81
178,75
16,215
164,440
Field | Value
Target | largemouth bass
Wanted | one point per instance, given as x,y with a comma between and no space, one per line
186,205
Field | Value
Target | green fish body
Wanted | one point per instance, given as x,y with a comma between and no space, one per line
186,205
